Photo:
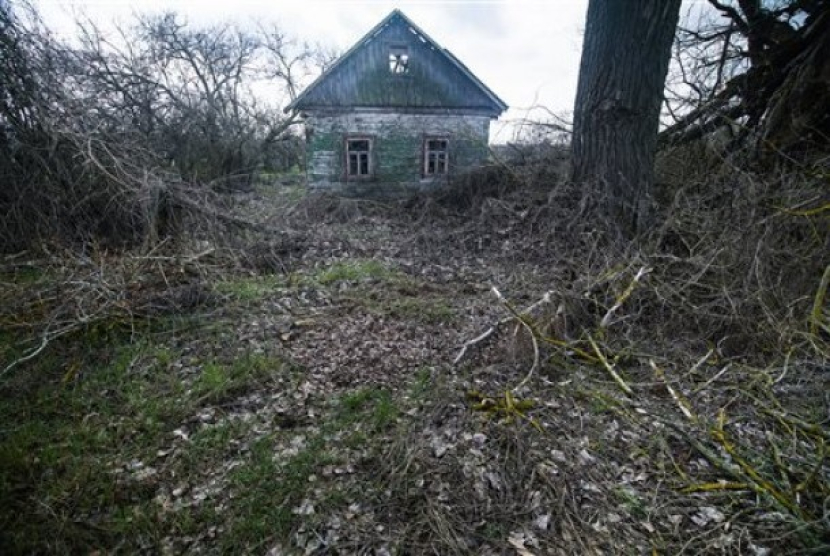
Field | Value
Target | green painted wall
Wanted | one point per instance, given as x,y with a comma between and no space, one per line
398,142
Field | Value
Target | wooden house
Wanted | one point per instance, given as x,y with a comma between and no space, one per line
395,114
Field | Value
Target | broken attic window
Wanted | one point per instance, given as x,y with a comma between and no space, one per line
398,60
358,157
436,155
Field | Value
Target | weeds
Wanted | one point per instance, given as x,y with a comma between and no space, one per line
423,309
354,271
676,400
72,435
250,289
62,441
373,407
272,487
219,381
268,491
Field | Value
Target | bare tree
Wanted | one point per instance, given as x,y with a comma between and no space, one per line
190,92
59,180
289,62
761,68
184,90
625,57
105,139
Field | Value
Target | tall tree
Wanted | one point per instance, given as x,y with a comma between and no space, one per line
625,57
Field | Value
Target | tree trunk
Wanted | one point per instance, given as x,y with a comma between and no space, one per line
625,58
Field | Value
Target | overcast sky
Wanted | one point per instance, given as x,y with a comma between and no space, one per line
526,51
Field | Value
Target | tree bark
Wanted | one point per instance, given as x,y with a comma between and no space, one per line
625,58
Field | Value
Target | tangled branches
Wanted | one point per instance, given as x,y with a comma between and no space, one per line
759,72
104,141
707,336
64,294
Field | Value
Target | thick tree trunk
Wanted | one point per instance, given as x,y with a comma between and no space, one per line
625,57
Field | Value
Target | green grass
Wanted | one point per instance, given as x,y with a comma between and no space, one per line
266,492
385,412
293,193
633,504
60,442
355,270
267,489
73,418
9,348
421,308
421,385
371,406
211,444
220,381
398,295
283,188
25,276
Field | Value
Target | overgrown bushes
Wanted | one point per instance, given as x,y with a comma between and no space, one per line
103,141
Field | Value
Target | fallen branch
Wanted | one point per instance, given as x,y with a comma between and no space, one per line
486,334
682,403
31,355
608,367
810,428
606,320
211,212
492,330
535,356
817,314
706,384
710,487
755,480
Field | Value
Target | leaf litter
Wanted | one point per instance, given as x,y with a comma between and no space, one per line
390,448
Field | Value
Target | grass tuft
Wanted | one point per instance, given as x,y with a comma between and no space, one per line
354,270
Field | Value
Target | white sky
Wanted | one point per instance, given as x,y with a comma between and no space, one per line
526,51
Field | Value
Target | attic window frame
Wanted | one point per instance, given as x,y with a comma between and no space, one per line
427,158
399,59
369,157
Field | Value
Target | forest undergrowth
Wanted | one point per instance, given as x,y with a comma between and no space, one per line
492,370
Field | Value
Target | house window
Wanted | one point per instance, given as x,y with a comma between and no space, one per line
359,157
399,60
436,156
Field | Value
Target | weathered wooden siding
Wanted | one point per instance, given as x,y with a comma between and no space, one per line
397,152
432,81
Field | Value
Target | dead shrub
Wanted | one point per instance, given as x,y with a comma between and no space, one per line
471,188
275,254
738,257
99,292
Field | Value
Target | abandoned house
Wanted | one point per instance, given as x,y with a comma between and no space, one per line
395,114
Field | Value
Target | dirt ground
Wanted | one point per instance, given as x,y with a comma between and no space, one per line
322,403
